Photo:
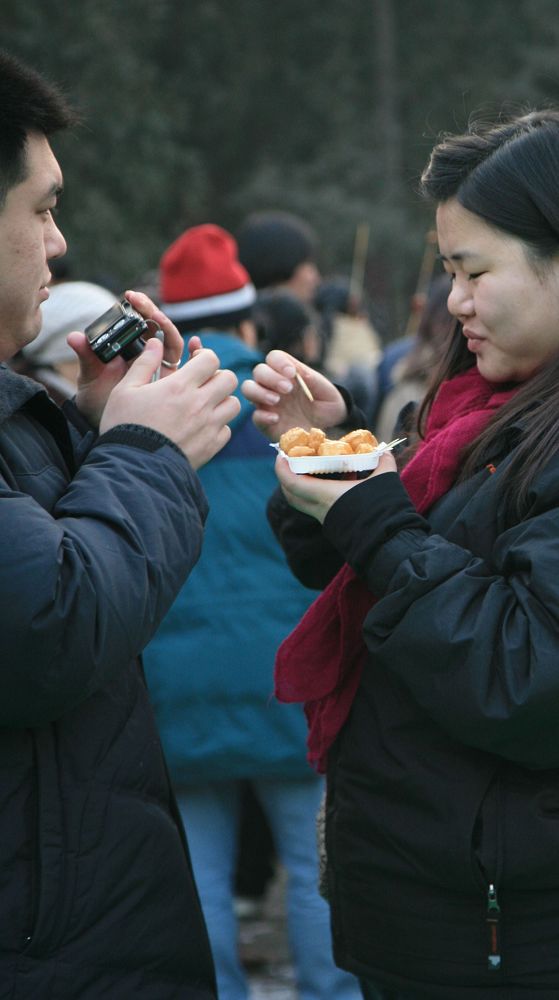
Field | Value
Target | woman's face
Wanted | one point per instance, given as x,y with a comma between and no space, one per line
509,311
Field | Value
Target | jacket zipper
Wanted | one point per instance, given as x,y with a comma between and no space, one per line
493,915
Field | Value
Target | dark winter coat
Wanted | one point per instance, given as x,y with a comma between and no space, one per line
443,786
96,892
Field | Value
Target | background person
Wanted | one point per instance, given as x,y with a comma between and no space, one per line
279,251
352,345
283,321
210,665
434,696
102,519
412,373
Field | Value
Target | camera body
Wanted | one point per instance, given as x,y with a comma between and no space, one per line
117,331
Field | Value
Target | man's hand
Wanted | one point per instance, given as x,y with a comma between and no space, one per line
314,495
96,379
281,403
192,406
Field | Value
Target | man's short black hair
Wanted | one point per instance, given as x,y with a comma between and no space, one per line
28,103
273,244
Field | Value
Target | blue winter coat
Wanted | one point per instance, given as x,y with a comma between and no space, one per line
210,665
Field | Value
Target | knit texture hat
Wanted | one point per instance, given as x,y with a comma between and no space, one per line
202,281
71,305
272,245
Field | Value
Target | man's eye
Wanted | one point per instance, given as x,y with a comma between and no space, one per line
478,274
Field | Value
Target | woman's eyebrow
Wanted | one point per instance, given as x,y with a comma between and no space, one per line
459,255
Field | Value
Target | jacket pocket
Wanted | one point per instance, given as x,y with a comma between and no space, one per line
486,834
531,830
487,856
49,878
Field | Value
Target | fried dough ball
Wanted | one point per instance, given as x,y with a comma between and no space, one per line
294,436
299,443
335,448
361,436
300,451
316,437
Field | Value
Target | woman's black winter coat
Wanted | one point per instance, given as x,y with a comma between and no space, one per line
443,786
96,892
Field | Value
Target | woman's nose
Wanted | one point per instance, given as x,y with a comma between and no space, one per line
460,301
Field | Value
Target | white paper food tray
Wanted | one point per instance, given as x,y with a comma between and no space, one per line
320,465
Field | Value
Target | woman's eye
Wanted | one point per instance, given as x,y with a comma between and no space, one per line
472,277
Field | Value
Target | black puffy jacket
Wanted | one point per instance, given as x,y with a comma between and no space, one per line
443,786
96,892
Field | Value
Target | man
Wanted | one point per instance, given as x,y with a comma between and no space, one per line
279,251
102,519
219,725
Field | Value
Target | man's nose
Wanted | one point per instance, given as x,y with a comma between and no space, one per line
55,244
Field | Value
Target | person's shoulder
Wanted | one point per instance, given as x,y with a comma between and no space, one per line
15,391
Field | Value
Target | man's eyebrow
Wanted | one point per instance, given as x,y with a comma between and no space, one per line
55,190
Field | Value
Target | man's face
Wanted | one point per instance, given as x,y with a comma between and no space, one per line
29,238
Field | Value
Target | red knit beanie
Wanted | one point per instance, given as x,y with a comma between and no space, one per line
201,277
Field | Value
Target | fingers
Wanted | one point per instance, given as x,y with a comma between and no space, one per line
228,409
310,494
283,363
173,341
145,365
258,394
268,378
90,365
80,345
201,366
221,385
387,463
194,344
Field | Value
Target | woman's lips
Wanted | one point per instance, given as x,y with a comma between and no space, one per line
474,340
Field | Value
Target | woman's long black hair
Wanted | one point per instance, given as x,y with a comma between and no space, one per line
507,174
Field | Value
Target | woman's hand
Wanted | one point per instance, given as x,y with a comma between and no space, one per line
280,401
97,380
314,495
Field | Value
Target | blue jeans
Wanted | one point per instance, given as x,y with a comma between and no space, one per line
210,814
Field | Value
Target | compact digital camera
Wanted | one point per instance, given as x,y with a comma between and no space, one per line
117,331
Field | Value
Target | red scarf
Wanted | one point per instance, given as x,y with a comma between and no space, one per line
320,662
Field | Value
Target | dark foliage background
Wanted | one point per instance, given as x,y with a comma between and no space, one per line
203,110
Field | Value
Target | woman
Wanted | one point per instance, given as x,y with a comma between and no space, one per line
430,665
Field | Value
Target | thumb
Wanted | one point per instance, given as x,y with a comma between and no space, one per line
143,369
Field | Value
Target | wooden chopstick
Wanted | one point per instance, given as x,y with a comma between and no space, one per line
304,387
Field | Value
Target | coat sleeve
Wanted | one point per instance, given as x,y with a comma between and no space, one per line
85,585
311,558
475,641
